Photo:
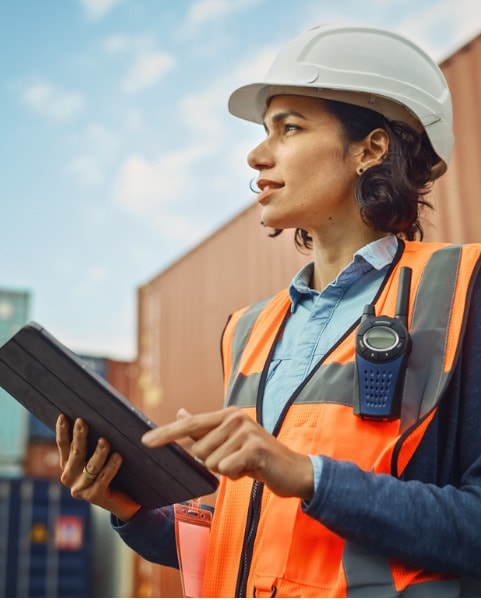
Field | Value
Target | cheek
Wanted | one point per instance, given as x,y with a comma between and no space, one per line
326,159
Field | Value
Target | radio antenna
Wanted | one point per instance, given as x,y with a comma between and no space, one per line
402,304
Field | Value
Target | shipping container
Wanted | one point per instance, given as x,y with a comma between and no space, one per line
183,311
154,581
121,375
45,541
96,363
38,431
42,460
457,210
14,313
13,435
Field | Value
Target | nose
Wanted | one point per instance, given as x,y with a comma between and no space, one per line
260,157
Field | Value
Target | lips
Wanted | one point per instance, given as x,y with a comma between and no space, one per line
267,184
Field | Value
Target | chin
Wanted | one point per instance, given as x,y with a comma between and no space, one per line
273,222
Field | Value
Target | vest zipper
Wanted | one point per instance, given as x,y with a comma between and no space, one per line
254,511
249,539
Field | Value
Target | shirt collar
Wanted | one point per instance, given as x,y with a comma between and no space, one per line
376,255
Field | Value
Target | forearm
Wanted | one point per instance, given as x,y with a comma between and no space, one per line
151,534
421,524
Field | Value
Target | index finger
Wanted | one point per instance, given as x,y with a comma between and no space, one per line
63,438
193,426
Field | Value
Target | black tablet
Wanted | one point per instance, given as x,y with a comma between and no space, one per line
49,380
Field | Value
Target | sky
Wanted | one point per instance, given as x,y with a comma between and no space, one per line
117,152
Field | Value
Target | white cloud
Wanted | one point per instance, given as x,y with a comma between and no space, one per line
205,112
147,71
121,43
134,120
97,148
97,9
208,10
154,191
148,64
115,44
254,68
88,283
443,26
203,11
51,101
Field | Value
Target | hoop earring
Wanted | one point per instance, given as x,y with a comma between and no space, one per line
253,187
360,170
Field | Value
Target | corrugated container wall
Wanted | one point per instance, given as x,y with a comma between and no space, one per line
182,311
456,197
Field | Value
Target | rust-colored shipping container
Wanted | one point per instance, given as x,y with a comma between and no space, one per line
456,196
121,375
182,311
42,460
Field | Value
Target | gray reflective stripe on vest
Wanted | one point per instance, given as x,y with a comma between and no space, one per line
369,576
243,391
239,341
430,319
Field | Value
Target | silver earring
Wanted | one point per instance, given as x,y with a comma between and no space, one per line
253,186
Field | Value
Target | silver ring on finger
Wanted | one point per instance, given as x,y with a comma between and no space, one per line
88,474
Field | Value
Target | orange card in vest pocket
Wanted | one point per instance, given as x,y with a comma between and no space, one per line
192,529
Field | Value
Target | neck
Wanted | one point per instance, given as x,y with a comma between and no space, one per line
331,258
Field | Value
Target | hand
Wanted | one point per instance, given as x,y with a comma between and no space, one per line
232,444
89,478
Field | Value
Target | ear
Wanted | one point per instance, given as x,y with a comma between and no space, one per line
373,149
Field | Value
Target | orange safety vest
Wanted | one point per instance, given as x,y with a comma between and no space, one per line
263,545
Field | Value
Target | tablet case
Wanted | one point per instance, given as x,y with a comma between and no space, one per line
49,379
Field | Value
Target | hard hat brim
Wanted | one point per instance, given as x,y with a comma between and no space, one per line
250,102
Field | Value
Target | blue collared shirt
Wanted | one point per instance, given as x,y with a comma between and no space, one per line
318,319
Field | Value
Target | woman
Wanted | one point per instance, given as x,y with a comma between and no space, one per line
341,474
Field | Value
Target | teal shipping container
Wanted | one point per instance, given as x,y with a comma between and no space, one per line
14,313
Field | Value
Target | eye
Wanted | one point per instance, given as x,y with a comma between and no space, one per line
288,127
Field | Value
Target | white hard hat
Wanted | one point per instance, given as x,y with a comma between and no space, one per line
365,66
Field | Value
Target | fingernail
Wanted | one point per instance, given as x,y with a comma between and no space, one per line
148,437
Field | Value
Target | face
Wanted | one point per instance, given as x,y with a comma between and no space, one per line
307,176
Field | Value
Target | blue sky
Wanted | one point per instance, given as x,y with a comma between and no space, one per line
117,153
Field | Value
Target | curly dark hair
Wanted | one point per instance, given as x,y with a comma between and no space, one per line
391,194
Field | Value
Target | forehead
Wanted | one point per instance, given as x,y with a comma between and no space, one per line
303,105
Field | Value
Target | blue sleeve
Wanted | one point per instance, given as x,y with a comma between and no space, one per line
431,517
150,533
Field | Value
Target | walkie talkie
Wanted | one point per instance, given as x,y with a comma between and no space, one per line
383,345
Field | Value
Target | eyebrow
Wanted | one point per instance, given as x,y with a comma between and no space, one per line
284,114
